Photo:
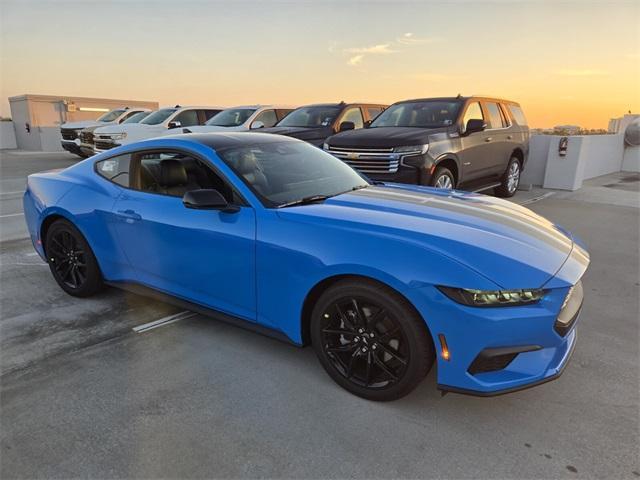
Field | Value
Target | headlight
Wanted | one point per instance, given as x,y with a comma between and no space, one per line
118,136
325,146
412,149
493,298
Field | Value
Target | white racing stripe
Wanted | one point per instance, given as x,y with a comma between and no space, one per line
164,321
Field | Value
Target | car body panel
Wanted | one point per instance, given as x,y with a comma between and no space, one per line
268,261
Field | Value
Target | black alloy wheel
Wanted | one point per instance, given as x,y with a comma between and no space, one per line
370,341
71,260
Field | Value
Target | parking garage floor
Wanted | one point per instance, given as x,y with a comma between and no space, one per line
82,394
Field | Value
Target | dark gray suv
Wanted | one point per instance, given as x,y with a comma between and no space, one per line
474,143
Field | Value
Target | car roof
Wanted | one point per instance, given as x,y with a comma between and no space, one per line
220,141
342,104
459,97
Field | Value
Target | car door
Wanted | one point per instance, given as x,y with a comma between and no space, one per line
499,144
475,151
203,256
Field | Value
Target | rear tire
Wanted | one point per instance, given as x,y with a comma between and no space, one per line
370,340
71,260
443,178
510,179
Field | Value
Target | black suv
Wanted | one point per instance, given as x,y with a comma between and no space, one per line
314,123
474,143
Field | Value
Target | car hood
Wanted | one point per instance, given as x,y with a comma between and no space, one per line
384,137
504,242
83,124
302,133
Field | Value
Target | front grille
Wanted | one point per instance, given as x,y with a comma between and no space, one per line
86,137
570,310
68,134
368,160
104,145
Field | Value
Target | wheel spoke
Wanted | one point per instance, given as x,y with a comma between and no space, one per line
342,348
334,331
359,313
351,360
384,368
393,353
344,318
389,334
374,319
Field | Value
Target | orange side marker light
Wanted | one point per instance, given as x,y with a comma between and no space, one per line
444,348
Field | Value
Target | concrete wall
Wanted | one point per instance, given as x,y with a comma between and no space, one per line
7,135
588,156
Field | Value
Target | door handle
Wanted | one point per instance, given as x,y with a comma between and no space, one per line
129,214
488,139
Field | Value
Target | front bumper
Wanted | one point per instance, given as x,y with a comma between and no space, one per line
72,147
528,348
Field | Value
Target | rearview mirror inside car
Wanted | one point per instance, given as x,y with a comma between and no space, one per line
207,199
344,126
475,125
174,124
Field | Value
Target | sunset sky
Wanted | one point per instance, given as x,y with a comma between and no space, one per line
566,63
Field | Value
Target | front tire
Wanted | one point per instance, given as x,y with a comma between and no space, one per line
510,179
370,340
443,178
71,260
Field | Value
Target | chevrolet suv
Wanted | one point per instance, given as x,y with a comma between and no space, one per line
473,143
314,123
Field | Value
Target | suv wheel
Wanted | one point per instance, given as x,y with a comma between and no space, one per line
510,179
370,341
443,178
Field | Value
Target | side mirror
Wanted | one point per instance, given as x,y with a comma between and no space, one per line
207,199
174,124
475,125
257,124
367,123
344,126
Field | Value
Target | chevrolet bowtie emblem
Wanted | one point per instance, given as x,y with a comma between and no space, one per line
352,156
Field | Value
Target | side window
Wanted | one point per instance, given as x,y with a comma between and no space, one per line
473,112
353,115
187,118
517,114
128,115
373,112
115,169
281,113
505,117
175,173
268,117
495,117
210,113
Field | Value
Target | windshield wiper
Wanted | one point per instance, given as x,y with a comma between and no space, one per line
305,200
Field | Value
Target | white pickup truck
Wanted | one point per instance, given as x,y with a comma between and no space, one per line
70,131
165,121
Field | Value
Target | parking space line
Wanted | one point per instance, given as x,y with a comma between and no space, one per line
12,193
164,321
12,215
537,199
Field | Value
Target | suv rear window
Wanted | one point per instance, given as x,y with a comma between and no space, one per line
517,114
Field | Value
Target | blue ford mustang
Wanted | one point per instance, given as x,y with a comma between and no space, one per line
277,235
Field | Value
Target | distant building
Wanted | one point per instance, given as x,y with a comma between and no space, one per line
37,118
619,125
567,129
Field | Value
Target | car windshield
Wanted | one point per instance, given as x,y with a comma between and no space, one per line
427,114
310,117
158,117
281,173
232,117
136,117
111,116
